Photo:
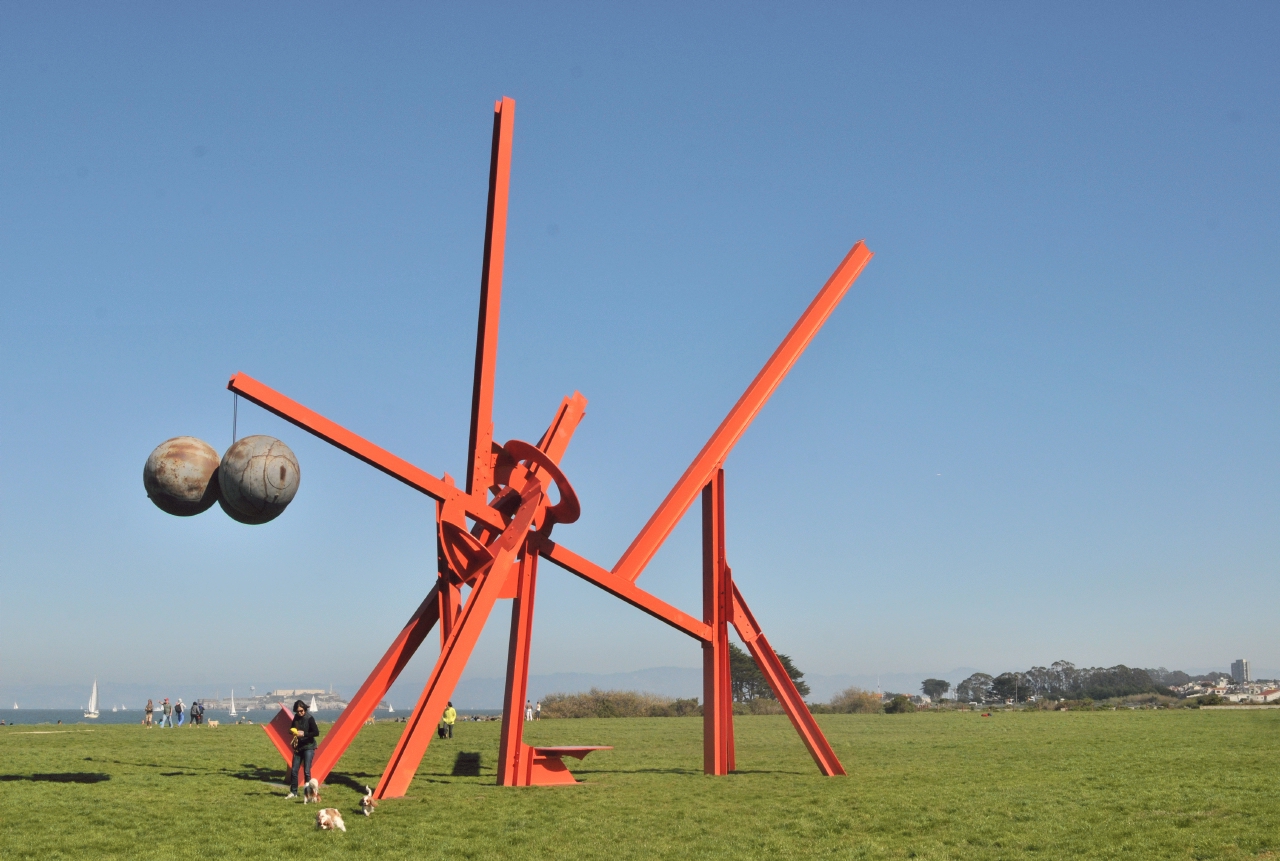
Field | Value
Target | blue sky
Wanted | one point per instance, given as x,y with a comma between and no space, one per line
1043,424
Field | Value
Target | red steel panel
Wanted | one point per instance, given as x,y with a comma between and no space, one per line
712,456
278,731
344,730
379,458
624,589
517,688
717,609
480,445
783,688
421,724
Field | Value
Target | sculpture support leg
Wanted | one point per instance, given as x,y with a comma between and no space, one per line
421,725
783,688
717,610
511,750
336,741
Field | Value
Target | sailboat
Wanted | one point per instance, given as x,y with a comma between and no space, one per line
312,709
391,709
115,708
92,711
15,704
232,713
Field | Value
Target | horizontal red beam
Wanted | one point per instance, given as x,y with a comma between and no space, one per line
356,446
687,489
624,589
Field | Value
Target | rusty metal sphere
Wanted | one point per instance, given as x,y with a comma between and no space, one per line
180,476
258,477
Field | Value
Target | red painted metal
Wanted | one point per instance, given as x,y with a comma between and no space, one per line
480,446
511,746
491,543
277,730
681,496
783,688
717,610
335,742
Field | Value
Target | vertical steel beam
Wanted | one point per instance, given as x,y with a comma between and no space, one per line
480,445
511,749
375,687
783,688
681,496
717,610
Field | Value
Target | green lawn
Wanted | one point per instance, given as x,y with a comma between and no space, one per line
1165,784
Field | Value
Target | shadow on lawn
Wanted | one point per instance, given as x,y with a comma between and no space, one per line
258,773
63,777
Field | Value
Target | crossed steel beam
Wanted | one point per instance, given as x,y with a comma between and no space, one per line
492,531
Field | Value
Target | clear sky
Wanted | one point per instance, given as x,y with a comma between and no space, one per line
1043,425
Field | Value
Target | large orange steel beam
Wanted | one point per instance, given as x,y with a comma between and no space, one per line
783,688
511,746
686,490
624,589
421,724
375,687
480,445
356,446
717,610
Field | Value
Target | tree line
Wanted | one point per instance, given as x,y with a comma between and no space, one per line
1063,680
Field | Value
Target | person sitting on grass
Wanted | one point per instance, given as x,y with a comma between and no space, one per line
304,733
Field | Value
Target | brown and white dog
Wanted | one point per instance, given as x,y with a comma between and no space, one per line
329,819
311,792
367,804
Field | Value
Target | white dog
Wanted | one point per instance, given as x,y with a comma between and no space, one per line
311,792
329,819
367,804
213,723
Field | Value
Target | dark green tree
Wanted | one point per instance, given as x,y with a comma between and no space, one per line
900,704
935,688
750,684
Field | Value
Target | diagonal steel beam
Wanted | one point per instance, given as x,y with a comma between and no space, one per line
379,458
632,563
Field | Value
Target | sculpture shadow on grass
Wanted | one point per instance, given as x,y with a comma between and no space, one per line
61,777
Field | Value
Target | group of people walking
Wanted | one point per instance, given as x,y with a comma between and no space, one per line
172,714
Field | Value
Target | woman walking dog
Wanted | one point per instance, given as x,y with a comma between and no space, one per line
303,732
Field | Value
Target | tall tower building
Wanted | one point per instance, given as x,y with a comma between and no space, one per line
1240,671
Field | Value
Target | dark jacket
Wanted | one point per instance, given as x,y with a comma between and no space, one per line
310,732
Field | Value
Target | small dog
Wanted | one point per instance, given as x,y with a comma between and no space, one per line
329,819
367,804
213,724
311,792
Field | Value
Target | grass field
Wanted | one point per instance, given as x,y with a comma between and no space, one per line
1163,784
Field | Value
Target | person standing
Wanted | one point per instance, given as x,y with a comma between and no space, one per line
150,710
450,716
304,731
167,710
537,710
528,710
178,712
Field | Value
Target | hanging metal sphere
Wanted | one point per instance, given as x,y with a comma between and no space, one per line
180,476
258,477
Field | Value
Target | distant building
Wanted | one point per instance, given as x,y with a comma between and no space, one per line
1240,672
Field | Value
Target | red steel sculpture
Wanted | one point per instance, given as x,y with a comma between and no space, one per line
491,532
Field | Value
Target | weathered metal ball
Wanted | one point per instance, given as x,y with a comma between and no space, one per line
180,476
258,477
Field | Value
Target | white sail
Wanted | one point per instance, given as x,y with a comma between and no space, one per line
233,703
115,708
391,709
92,711
313,703
15,704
